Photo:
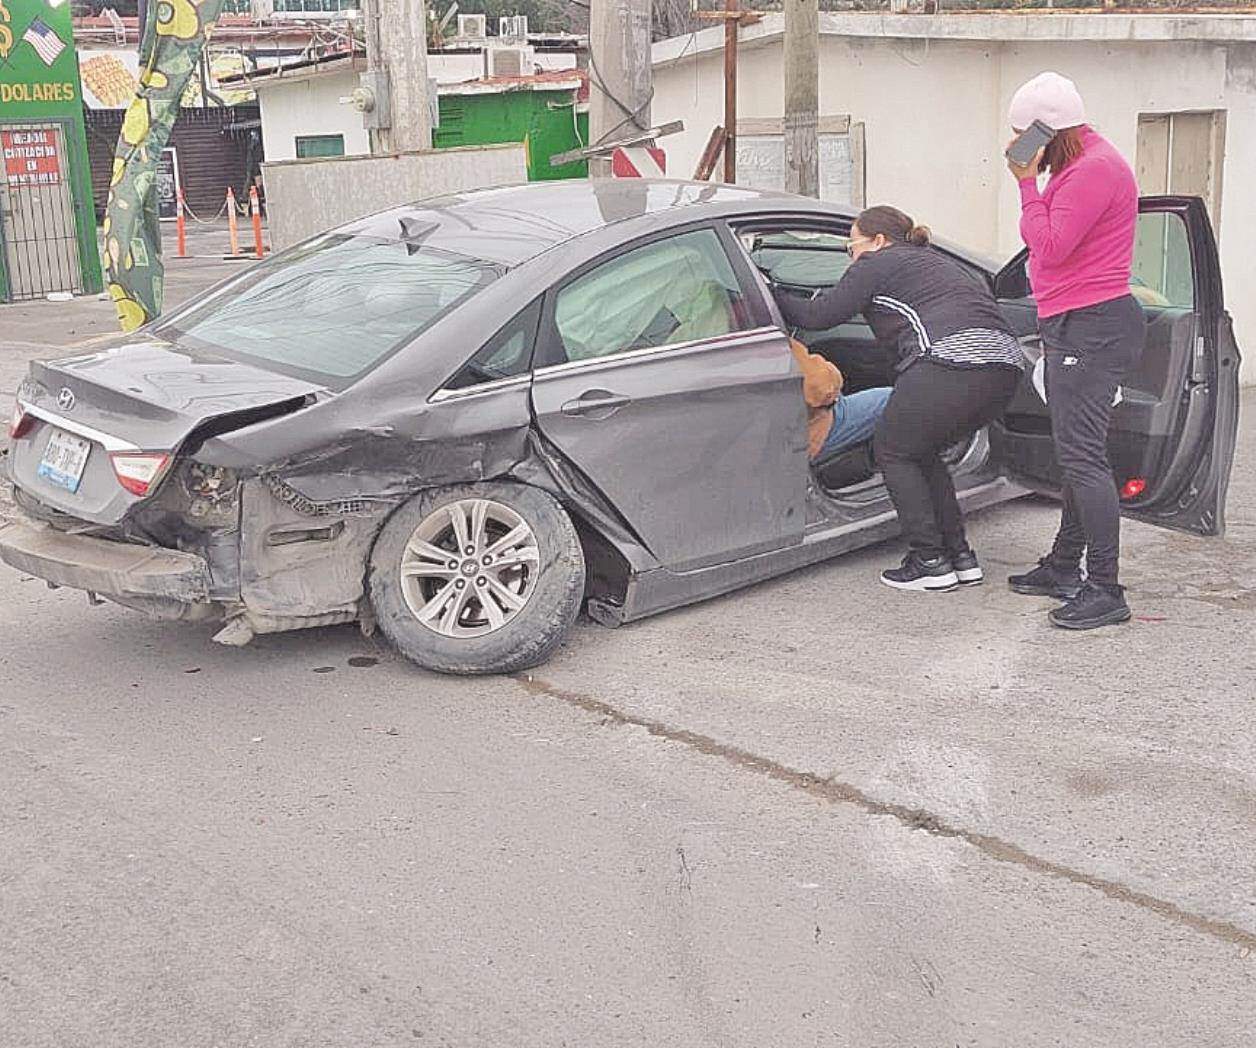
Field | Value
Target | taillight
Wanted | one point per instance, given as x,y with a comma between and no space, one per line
1133,487
139,471
20,423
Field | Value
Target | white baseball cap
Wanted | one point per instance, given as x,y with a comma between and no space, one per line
1048,97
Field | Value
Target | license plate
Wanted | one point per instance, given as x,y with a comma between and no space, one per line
64,460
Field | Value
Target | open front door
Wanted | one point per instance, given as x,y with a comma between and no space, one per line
1172,439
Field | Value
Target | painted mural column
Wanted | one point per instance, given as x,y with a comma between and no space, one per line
47,223
174,35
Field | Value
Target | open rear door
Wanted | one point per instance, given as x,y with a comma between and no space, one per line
1172,438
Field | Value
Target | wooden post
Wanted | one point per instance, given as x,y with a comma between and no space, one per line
731,28
233,222
733,18
710,156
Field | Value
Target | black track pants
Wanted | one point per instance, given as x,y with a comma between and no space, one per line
1089,352
932,408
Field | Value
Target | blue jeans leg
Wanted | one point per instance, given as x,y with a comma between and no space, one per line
854,419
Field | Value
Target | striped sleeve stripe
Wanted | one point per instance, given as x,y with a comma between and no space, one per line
979,346
912,317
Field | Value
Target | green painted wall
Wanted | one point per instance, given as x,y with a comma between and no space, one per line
546,119
34,89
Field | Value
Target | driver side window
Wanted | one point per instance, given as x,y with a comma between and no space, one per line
682,289
1163,272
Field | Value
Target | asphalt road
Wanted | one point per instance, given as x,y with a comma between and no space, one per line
811,813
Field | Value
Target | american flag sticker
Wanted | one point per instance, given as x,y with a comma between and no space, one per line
45,42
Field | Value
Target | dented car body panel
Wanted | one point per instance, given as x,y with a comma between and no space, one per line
682,465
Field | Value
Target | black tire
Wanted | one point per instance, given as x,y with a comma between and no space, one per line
538,627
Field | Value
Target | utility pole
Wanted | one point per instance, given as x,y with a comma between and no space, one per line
802,97
396,60
732,26
621,76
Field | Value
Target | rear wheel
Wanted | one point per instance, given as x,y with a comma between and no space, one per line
483,578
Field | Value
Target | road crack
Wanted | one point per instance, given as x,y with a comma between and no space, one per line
837,792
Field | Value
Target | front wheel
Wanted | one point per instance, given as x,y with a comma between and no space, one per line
481,578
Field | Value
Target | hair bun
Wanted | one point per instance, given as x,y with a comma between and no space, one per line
893,224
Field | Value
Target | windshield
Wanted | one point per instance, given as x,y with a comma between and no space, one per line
332,308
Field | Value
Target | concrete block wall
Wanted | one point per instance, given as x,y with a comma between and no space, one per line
305,197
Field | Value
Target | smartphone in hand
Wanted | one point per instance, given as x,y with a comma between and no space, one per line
1026,145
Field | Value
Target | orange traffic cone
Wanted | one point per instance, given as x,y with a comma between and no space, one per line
255,208
180,225
232,224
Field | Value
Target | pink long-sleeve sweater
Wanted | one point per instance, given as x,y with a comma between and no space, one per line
1080,229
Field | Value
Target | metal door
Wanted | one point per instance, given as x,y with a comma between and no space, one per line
37,232
701,447
1171,442
654,378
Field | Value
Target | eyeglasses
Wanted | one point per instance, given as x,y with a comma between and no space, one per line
850,244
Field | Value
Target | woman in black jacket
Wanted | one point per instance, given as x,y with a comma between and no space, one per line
959,365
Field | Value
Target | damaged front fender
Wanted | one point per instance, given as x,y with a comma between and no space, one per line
310,517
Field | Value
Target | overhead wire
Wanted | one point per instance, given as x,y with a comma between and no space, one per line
631,115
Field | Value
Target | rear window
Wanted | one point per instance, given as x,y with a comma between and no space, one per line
333,308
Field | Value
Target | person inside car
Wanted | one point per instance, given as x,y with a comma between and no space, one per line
835,421
959,365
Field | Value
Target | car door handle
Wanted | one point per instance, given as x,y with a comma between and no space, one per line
595,404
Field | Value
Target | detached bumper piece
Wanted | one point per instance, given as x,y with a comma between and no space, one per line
103,566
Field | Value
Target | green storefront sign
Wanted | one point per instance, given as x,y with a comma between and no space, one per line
47,226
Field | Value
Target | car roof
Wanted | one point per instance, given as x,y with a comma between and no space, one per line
512,224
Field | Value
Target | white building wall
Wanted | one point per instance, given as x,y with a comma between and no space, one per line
1118,82
310,107
553,62
934,112
454,68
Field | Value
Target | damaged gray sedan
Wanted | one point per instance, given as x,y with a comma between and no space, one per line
464,420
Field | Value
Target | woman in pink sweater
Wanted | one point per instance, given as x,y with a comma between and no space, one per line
1080,234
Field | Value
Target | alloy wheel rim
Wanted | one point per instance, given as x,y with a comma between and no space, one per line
469,568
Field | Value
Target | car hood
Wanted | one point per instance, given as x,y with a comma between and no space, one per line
152,394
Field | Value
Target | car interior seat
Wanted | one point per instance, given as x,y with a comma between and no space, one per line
845,468
857,464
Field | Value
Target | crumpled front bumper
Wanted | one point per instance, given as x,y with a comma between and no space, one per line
112,569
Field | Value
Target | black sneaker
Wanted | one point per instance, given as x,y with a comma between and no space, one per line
929,574
967,569
1096,605
1046,580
